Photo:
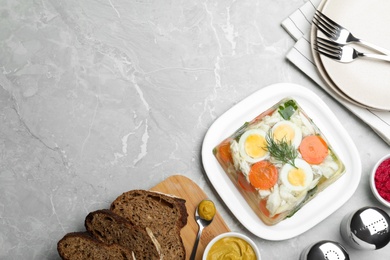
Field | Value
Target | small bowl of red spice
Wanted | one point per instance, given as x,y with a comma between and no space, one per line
380,180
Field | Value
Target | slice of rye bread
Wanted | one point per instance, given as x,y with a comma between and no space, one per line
164,214
81,245
110,228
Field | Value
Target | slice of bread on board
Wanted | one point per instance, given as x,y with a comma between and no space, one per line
81,246
140,224
110,228
163,214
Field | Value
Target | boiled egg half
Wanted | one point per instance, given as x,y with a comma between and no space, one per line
287,131
296,178
253,146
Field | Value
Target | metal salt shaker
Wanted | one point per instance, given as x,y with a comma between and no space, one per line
366,228
325,250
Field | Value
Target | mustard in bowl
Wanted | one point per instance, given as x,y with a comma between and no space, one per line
231,246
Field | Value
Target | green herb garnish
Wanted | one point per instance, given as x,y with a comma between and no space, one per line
282,150
287,109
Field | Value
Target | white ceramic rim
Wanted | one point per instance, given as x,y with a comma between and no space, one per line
332,82
372,182
313,212
232,234
320,68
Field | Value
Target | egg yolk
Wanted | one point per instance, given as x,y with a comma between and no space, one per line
255,146
284,132
296,177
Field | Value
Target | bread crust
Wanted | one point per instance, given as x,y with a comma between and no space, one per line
110,228
81,245
165,215
153,220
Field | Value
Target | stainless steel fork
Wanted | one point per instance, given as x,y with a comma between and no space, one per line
345,53
339,34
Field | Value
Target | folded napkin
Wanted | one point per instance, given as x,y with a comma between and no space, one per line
298,25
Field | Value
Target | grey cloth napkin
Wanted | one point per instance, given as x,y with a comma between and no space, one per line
298,25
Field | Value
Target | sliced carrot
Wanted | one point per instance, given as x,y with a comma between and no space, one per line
224,152
313,149
263,175
244,184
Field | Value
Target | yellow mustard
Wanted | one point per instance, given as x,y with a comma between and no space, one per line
206,209
231,248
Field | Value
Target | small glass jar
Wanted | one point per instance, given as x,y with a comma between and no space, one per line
366,228
325,250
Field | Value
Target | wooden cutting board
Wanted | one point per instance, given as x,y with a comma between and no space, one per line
185,188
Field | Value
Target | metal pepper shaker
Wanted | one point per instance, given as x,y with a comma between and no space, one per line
324,250
366,228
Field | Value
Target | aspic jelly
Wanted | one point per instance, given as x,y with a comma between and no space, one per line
279,161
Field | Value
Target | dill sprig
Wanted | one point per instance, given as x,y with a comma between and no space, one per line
282,150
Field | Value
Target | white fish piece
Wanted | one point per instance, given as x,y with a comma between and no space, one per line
245,168
284,206
307,127
265,127
287,194
274,200
235,153
273,119
264,193
289,205
239,163
328,167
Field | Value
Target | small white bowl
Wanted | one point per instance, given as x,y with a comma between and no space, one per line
231,234
372,182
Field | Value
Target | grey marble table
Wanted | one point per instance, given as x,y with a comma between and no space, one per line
100,97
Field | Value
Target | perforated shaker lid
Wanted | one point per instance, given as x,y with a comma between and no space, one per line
327,250
370,227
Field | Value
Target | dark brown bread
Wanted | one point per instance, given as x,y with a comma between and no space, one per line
81,246
165,216
110,228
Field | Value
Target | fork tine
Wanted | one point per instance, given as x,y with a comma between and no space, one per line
322,26
329,55
328,20
329,44
327,48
